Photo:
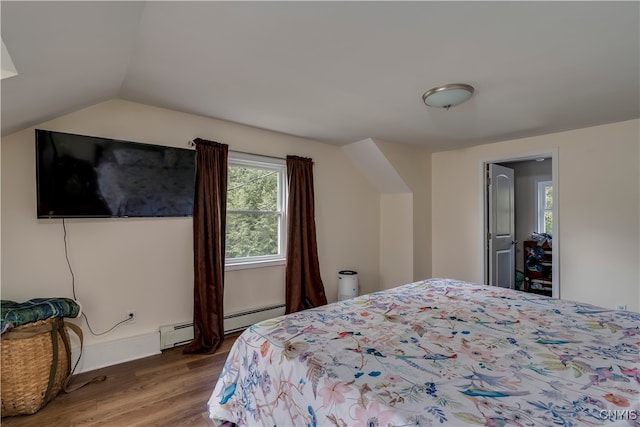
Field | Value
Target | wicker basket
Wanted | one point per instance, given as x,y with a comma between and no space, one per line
36,365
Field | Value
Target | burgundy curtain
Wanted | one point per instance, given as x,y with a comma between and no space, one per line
209,220
304,288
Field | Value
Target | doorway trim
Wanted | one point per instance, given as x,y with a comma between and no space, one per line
516,157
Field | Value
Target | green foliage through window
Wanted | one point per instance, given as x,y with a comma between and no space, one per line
252,189
545,207
254,210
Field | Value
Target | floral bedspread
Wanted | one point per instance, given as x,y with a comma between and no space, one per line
438,352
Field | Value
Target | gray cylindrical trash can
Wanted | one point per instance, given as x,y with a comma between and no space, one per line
347,284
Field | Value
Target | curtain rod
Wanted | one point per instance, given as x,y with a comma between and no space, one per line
192,144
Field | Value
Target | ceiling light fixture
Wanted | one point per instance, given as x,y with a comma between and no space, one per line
448,96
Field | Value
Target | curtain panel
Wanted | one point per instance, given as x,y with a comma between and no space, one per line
304,287
209,221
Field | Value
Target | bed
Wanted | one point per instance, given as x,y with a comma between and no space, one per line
435,352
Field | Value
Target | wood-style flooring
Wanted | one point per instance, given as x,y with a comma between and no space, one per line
170,389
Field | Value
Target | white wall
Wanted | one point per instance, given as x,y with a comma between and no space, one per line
397,240
598,195
146,264
402,176
413,165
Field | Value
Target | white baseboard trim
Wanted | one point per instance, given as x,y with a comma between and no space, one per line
100,355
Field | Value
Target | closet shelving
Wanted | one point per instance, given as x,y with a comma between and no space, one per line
538,273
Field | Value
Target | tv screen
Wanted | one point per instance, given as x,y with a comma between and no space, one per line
90,177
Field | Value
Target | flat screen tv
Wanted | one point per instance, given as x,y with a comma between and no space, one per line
89,177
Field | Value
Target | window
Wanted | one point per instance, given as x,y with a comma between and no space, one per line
545,207
256,205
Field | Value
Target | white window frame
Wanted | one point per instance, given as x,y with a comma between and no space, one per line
280,166
542,185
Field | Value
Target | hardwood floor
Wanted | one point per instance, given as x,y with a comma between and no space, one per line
170,389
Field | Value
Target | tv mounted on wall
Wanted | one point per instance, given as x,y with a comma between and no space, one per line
89,177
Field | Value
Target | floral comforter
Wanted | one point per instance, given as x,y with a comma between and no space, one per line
437,352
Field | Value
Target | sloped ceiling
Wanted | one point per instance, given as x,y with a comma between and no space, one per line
375,166
337,72
68,55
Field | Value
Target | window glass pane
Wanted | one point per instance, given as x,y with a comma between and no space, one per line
545,206
251,188
251,235
548,197
256,216
548,222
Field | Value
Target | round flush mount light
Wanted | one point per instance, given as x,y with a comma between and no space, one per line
448,96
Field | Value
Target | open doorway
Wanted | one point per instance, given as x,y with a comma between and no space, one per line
523,256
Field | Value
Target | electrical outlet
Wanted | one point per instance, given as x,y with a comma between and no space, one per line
621,307
131,316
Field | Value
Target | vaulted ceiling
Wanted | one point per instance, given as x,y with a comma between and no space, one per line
337,72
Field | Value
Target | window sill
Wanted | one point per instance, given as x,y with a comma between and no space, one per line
255,264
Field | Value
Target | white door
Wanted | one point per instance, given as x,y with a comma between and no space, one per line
501,226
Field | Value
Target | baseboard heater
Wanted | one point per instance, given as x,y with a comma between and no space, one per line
182,333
